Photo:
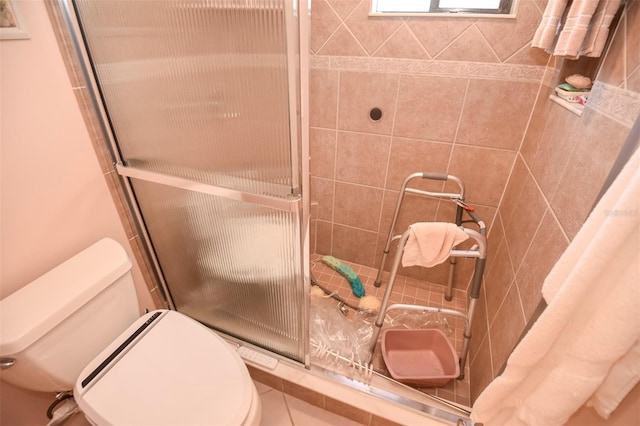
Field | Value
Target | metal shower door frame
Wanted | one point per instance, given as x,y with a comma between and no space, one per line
297,22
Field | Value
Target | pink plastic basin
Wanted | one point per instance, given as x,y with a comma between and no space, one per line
423,357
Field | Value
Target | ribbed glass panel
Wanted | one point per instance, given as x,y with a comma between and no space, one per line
231,265
196,88
200,89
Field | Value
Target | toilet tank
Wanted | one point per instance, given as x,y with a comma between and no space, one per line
55,325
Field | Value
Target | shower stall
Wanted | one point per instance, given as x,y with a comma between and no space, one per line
204,105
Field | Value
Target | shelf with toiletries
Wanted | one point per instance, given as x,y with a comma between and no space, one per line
573,93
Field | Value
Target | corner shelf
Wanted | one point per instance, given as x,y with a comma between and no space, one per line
575,108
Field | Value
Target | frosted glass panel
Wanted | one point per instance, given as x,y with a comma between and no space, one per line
231,265
196,88
201,89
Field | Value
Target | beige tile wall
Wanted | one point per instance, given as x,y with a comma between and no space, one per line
466,97
456,96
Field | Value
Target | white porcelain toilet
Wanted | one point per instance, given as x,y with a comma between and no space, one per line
77,327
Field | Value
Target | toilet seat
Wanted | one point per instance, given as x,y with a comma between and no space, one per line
166,369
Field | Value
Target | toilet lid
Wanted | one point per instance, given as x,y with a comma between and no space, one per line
166,369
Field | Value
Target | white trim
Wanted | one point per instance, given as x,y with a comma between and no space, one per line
448,15
423,11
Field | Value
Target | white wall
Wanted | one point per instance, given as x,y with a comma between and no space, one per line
54,201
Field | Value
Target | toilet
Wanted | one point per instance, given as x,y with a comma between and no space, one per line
77,327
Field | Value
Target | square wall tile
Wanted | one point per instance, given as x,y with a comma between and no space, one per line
324,21
447,213
550,155
471,46
371,31
342,43
354,244
413,209
413,155
429,107
496,113
322,148
612,70
506,328
519,176
484,171
498,278
600,140
324,234
436,34
507,36
358,206
402,44
546,248
494,240
362,91
536,127
322,193
362,158
481,369
523,224
323,98
343,8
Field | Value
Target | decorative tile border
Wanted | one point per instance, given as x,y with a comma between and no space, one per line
618,104
430,67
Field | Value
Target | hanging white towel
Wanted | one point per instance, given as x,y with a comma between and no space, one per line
582,343
622,377
430,243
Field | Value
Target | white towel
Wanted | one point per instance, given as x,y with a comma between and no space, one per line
622,377
580,347
430,243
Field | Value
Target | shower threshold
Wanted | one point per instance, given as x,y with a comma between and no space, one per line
380,401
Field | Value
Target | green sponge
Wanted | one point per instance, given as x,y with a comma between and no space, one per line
347,272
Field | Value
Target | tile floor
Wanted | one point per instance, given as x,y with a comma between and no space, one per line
408,291
281,409
278,409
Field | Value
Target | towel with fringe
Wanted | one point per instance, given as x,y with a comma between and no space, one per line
584,31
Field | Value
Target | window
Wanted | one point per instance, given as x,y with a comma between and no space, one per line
446,7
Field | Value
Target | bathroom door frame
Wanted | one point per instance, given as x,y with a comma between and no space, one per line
297,27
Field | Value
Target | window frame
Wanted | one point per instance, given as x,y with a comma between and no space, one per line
506,9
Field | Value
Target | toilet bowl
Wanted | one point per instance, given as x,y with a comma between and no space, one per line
77,327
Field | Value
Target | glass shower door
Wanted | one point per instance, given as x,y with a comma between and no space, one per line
203,105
